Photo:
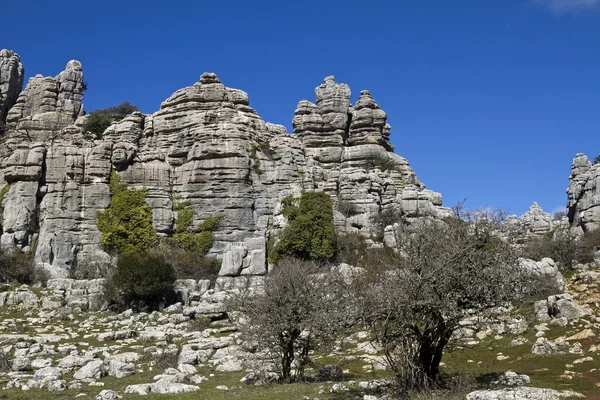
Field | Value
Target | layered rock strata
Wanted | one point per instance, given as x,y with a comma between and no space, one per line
583,194
205,145
11,81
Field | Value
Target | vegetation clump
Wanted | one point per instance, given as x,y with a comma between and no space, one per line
97,121
254,147
126,225
300,310
200,240
18,267
563,247
142,280
188,247
310,234
439,273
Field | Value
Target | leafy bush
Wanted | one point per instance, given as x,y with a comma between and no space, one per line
126,225
143,280
18,267
199,241
310,234
189,264
562,247
352,248
97,121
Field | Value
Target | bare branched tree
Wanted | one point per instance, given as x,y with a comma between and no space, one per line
441,273
298,310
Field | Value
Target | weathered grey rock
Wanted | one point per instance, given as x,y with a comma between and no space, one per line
44,376
511,378
161,387
205,145
21,364
21,296
546,271
120,369
534,222
523,393
543,346
70,362
108,394
92,370
583,198
11,81
84,294
559,306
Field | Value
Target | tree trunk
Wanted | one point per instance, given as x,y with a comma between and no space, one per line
287,357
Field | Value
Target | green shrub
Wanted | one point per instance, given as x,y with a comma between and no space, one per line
185,237
143,280
310,234
189,264
254,147
126,225
18,267
352,248
97,121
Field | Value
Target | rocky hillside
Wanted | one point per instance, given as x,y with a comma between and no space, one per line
205,144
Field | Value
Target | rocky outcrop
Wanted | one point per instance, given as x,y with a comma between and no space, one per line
534,222
205,145
583,197
11,81
544,272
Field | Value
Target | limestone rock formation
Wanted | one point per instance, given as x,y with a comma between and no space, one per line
205,145
534,222
583,196
11,81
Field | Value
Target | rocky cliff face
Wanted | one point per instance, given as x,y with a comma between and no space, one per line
583,195
205,145
11,81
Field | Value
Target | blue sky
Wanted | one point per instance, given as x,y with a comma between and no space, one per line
488,100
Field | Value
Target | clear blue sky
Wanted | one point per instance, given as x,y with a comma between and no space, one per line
488,100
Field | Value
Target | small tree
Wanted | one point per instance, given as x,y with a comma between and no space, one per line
98,120
126,224
297,310
441,272
310,234
143,280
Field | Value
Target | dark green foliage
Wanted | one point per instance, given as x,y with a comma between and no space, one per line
18,267
97,121
126,224
210,223
143,280
310,234
191,265
596,160
185,237
352,248
256,160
